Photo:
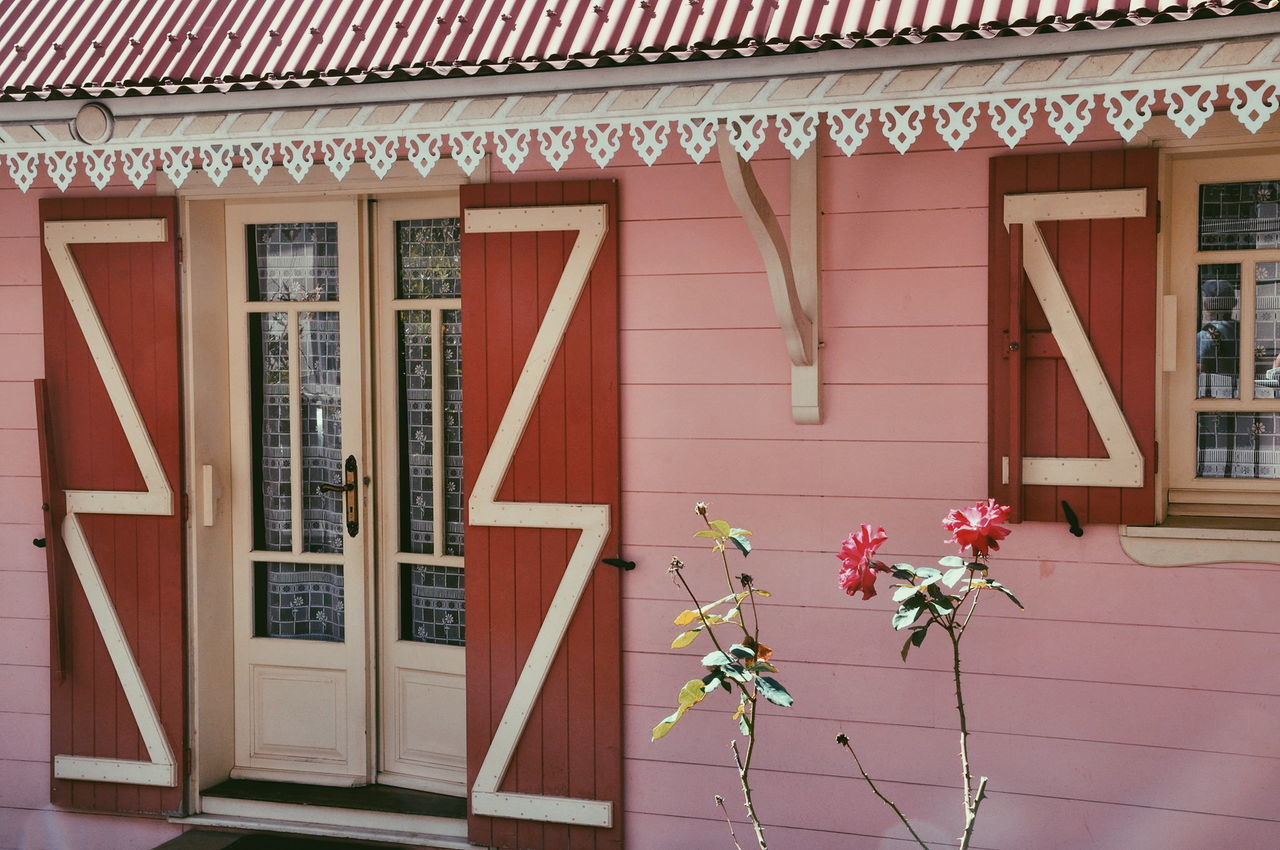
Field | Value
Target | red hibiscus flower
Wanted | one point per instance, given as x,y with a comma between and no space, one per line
978,528
857,570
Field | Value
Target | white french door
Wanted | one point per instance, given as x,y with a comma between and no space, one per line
346,493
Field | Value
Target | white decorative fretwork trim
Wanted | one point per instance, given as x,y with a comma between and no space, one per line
1068,95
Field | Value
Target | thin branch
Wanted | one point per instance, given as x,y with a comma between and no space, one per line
964,726
971,816
843,740
729,821
746,790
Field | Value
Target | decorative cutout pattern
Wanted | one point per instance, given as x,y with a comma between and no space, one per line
424,153
602,142
99,166
22,169
556,144
215,161
339,157
1011,119
849,128
257,161
797,131
380,154
1253,106
176,163
1128,115
1068,112
650,140
61,166
138,165
512,147
468,150
697,137
902,126
1189,110
955,122
298,158
746,134
1068,118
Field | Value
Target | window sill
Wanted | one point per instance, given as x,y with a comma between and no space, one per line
1191,541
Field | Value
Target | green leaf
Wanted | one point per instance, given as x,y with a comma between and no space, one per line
939,601
736,532
773,691
685,638
917,635
664,727
738,673
743,544
743,726
903,571
740,651
723,529
706,532
760,592
904,592
929,573
715,659
764,666
1006,591
909,612
710,685
951,561
950,577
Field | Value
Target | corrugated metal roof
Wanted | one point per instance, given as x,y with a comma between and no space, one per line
79,48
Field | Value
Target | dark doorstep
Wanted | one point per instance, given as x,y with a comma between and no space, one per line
373,798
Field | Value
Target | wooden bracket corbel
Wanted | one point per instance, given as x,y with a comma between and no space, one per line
792,273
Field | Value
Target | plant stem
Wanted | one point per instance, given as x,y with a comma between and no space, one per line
746,785
886,800
729,821
964,726
971,816
697,607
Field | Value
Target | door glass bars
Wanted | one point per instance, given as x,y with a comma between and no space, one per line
295,367
429,376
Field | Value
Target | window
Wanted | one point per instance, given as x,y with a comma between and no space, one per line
1223,393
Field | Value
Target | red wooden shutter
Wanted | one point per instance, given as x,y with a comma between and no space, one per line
1108,267
571,746
132,287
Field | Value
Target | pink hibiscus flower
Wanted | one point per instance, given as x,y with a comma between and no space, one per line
978,528
857,570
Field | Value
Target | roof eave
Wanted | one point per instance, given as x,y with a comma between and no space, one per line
728,68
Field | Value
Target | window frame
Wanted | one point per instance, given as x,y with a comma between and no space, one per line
1183,494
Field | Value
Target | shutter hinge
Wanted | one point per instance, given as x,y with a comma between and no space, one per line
1159,210
186,508
1155,467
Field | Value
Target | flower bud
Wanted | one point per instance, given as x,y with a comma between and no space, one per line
701,508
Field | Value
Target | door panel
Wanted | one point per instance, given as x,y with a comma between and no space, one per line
297,422
422,660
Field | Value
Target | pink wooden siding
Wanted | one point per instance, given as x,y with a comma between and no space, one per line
1103,721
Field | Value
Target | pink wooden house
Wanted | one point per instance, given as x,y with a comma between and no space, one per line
342,341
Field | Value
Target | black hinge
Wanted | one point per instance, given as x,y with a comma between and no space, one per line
178,249
1155,467
186,508
1159,210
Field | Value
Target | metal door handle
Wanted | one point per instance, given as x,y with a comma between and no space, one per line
350,475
